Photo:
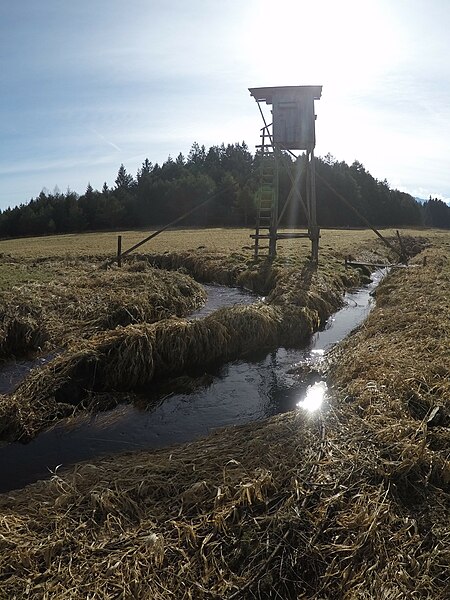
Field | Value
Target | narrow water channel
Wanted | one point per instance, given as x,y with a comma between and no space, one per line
240,392
218,296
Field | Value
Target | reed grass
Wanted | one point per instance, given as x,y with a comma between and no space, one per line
20,336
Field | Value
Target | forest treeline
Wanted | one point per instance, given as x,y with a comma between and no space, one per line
228,176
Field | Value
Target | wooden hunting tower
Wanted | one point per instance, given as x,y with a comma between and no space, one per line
292,128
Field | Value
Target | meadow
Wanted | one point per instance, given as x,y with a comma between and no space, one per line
104,244
352,502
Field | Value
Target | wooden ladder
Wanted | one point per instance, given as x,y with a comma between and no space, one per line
267,202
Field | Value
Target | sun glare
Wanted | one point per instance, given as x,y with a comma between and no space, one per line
335,44
315,396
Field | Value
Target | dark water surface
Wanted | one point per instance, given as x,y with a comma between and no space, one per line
240,392
13,373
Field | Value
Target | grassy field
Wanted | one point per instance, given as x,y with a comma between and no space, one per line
215,240
37,259
352,503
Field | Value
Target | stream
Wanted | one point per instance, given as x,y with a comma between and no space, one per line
239,392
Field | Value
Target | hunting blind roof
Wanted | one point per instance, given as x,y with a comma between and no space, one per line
266,94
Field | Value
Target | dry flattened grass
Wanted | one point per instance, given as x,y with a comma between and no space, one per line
285,281
82,300
395,375
321,292
288,280
204,265
397,367
280,509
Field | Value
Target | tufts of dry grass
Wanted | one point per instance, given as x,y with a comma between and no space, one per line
20,336
139,351
82,300
129,358
396,368
300,299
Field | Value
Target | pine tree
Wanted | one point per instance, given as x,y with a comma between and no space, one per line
124,180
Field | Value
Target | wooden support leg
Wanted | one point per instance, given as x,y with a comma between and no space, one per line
272,246
315,235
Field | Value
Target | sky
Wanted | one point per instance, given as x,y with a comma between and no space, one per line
89,85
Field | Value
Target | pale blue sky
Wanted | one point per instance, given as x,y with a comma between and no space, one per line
91,84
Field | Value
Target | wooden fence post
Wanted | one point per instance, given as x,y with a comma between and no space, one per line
119,250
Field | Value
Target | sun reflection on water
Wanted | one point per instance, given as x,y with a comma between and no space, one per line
318,352
315,395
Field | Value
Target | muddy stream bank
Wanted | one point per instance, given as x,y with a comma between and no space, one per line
237,393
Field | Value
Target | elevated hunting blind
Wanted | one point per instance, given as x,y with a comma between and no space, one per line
292,128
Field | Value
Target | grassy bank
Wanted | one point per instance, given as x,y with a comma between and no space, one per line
349,503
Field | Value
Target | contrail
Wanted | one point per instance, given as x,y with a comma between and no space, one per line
102,137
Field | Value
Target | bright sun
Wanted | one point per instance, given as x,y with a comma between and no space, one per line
324,42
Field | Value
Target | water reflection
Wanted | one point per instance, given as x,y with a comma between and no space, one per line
219,296
315,396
